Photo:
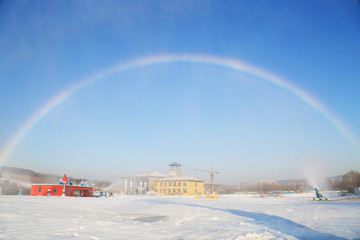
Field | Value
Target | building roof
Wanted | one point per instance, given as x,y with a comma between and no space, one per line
175,164
181,179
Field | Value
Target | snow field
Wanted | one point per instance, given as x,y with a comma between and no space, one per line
156,217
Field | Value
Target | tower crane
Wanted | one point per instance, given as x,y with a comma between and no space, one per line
207,171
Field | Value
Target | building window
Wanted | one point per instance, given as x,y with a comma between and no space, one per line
195,184
184,183
39,189
169,184
169,190
179,184
161,184
68,190
184,190
165,184
90,192
54,190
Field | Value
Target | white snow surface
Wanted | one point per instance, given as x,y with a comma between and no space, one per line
294,216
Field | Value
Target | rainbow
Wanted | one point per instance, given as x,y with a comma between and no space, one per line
227,63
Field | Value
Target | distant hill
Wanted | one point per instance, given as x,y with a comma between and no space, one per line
21,176
337,178
12,179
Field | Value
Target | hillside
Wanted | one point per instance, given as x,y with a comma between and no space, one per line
12,179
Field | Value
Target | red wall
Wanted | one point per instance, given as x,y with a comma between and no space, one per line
70,190
79,191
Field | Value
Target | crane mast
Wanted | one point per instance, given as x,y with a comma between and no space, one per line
206,171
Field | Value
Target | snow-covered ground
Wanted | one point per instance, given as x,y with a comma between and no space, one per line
155,217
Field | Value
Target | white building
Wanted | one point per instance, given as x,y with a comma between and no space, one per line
140,183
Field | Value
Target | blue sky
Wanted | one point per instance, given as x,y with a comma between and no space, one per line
201,116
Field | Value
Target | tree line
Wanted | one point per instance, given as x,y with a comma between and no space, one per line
346,182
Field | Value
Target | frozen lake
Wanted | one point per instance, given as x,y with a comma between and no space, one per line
155,217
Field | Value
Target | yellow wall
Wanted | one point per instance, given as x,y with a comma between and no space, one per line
184,187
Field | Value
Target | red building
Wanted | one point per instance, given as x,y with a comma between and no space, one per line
62,188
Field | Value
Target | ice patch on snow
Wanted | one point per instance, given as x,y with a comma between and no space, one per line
255,235
150,219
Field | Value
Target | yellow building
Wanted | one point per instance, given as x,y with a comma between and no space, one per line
179,186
